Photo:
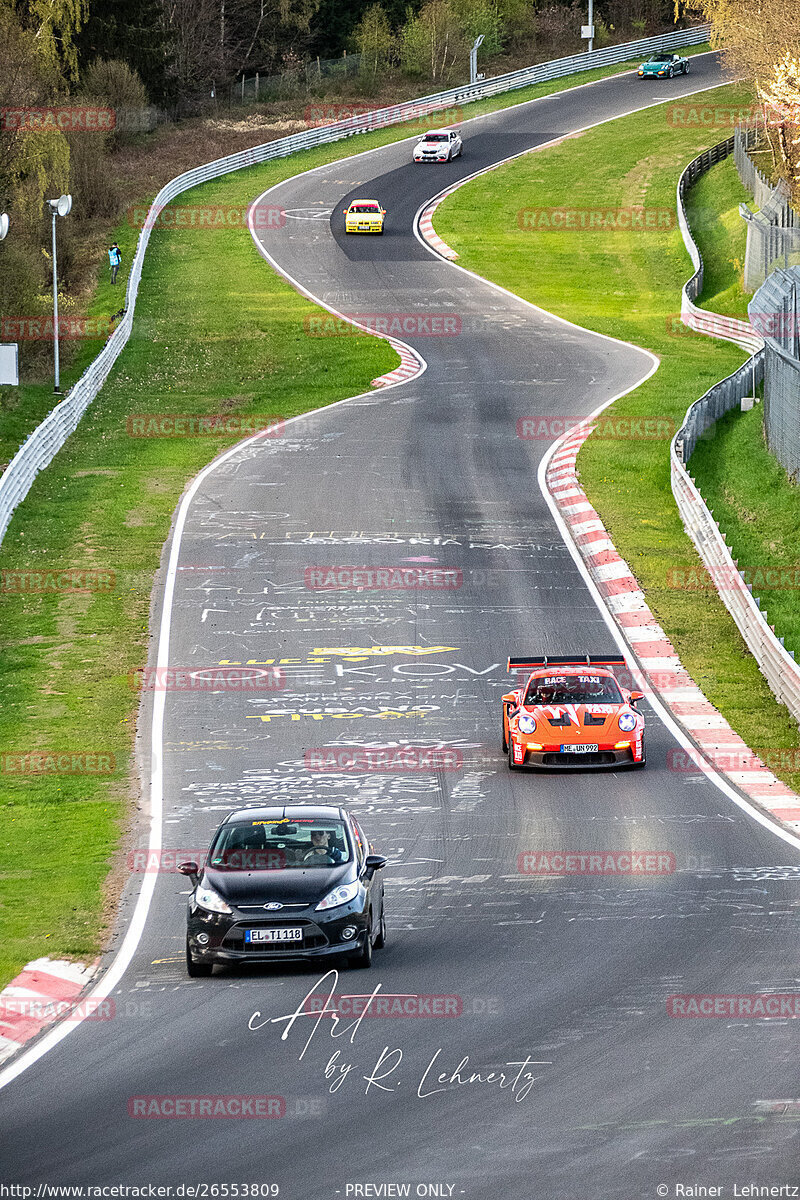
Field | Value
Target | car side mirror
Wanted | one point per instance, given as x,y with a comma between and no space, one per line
373,863
636,696
189,868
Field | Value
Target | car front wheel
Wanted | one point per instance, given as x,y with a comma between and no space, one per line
195,969
503,732
363,960
512,766
686,68
380,940
670,73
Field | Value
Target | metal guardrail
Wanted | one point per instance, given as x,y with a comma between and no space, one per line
774,660
699,319
47,439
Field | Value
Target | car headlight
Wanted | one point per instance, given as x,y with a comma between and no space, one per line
526,723
340,895
206,897
627,722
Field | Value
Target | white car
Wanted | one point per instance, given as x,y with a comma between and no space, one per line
440,145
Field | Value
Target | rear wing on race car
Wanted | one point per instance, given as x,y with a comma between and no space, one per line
585,660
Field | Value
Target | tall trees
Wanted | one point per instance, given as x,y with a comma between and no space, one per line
216,40
762,42
134,31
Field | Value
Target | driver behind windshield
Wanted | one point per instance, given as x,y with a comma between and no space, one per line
322,852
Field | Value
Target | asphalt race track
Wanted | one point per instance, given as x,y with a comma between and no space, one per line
566,977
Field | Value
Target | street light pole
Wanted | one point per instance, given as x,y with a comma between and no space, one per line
58,208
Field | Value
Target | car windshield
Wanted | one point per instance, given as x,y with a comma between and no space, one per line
661,58
363,208
437,137
273,845
573,689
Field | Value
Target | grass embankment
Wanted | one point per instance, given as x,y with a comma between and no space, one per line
712,209
752,498
628,285
215,331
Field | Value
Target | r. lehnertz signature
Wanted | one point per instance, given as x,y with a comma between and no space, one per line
515,1076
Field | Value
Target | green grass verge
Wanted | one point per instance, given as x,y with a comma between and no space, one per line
712,209
751,496
758,509
215,330
628,285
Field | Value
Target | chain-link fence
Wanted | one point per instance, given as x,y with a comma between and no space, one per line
773,233
774,313
294,81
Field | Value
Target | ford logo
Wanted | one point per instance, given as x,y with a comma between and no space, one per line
273,906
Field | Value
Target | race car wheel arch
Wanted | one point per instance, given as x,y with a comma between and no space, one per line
504,727
644,754
512,766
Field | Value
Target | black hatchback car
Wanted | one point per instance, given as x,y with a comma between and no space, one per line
289,882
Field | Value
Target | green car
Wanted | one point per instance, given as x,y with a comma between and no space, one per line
664,65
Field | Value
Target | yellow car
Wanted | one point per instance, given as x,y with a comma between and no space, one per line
364,216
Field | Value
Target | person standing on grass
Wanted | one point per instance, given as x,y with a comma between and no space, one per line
115,259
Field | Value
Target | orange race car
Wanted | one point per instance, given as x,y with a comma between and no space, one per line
572,712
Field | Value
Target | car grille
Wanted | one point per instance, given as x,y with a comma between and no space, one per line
594,758
591,719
